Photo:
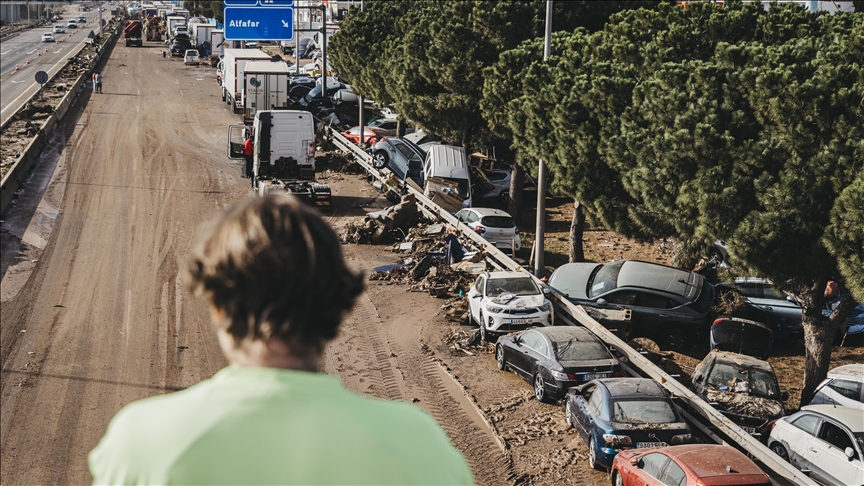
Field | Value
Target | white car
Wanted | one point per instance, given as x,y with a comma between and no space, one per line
843,387
494,225
826,440
191,57
48,37
58,29
507,301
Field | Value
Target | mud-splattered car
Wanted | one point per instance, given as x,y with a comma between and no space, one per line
742,388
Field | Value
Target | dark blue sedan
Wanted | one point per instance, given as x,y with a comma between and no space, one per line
623,413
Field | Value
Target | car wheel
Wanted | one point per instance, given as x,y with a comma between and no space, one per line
499,358
616,479
469,321
592,455
380,159
484,335
777,448
568,412
539,389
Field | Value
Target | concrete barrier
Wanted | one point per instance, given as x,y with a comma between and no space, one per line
16,176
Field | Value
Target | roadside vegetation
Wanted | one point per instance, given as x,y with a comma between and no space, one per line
659,121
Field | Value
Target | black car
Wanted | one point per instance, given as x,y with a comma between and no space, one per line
623,413
180,46
554,359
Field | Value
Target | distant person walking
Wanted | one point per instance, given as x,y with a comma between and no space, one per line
97,82
273,273
248,152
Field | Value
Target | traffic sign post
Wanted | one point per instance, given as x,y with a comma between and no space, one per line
41,78
271,20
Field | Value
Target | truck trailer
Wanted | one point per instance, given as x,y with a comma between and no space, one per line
217,45
265,87
284,155
234,64
132,33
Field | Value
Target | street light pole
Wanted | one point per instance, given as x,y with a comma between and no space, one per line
360,98
540,233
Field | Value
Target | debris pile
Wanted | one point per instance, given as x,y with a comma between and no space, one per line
468,342
744,404
391,223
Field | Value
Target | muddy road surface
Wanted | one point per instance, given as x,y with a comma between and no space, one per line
94,315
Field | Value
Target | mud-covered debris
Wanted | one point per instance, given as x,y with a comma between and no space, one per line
456,309
444,282
744,404
396,273
468,342
389,224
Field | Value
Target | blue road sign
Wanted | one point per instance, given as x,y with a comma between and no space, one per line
262,3
259,23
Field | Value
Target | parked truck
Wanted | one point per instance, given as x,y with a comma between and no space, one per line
200,34
132,34
265,87
217,45
284,155
234,64
172,21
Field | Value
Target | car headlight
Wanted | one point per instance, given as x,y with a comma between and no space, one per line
546,307
494,310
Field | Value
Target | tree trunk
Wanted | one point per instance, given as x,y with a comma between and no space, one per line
819,334
577,228
517,189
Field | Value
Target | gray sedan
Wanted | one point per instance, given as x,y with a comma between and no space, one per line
657,295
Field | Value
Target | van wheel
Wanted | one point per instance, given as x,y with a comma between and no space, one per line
379,159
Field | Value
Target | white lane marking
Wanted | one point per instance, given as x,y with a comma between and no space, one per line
16,82
5,52
31,52
58,51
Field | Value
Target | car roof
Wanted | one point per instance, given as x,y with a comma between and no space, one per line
854,371
850,417
633,388
634,273
489,212
495,275
565,333
707,460
749,361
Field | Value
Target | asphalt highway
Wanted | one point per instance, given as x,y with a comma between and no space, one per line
17,86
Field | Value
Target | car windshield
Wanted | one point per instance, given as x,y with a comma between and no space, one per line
605,279
574,350
643,412
760,383
462,187
515,286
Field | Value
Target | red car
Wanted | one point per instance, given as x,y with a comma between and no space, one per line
686,465
371,134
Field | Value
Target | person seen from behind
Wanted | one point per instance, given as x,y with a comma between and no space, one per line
273,273
248,152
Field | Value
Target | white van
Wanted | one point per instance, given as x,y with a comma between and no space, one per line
445,169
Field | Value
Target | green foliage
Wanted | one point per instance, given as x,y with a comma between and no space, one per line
845,237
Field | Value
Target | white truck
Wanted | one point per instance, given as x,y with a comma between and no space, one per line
200,33
233,66
284,155
265,87
173,21
217,43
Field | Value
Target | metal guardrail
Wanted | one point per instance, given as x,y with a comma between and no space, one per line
780,469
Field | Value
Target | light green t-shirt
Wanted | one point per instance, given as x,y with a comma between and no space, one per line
273,426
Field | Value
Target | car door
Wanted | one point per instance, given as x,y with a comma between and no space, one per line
522,354
650,468
581,410
798,435
475,298
827,456
652,310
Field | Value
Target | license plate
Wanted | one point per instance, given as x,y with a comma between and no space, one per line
645,445
596,376
749,430
520,321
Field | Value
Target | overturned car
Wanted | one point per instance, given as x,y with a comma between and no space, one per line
736,380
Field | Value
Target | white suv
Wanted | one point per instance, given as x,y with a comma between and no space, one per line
507,301
843,387
494,225
825,440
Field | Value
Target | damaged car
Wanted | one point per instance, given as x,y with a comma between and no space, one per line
611,415
507,301
735,381
660,297
554,359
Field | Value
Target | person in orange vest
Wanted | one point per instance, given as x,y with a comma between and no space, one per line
249,151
